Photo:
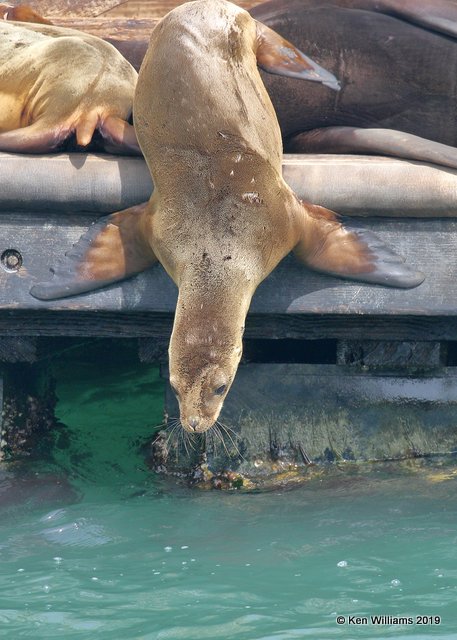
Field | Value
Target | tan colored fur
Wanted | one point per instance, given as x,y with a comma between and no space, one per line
223,215
54,81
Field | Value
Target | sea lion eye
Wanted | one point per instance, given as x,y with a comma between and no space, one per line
220,390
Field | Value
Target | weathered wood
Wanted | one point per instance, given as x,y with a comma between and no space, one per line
41,239
83,323
153,349
285,416
291,303
18,349
399,355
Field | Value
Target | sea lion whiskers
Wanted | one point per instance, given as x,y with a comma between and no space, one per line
232,436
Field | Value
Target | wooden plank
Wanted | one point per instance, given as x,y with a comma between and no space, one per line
41,239
102,324
368,355
18,349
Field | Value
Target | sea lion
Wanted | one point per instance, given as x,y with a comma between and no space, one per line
55,82
396,61
21,13
66,8
221,216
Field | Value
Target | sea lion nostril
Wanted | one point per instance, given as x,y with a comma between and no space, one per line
193,422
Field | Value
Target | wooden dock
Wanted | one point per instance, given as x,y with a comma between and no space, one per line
332,371
320,351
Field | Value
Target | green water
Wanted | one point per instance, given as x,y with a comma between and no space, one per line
118,554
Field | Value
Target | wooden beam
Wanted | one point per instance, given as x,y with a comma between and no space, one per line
41,239
285,416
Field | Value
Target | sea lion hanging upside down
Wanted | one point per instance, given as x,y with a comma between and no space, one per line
221,216
55,82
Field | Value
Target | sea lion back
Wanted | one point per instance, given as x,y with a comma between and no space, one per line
203,57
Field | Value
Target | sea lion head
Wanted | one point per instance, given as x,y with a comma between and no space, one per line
204,353
200,379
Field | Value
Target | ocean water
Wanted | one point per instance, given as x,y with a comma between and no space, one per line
94,546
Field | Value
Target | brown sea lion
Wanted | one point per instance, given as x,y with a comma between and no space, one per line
66,8
55,82
396,61
221,216
21,13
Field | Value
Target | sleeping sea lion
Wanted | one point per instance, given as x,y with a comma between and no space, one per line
55,82
221,216
396,61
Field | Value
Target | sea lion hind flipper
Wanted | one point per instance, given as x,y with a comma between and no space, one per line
329,246
112,249
38,137
436,15
388,142
119,136
278,56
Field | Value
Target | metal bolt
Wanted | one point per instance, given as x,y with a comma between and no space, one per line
11,260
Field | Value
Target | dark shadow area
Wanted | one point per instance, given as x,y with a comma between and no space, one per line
290,350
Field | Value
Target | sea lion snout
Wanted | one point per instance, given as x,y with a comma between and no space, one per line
199,408
203,365
200,392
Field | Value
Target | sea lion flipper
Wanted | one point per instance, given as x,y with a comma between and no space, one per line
38,137
21,13
337,249
387,142
119,136
437,15
279,56
112,249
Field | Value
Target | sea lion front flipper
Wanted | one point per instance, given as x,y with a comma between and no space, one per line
279,56
331,247
112,249
387,142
